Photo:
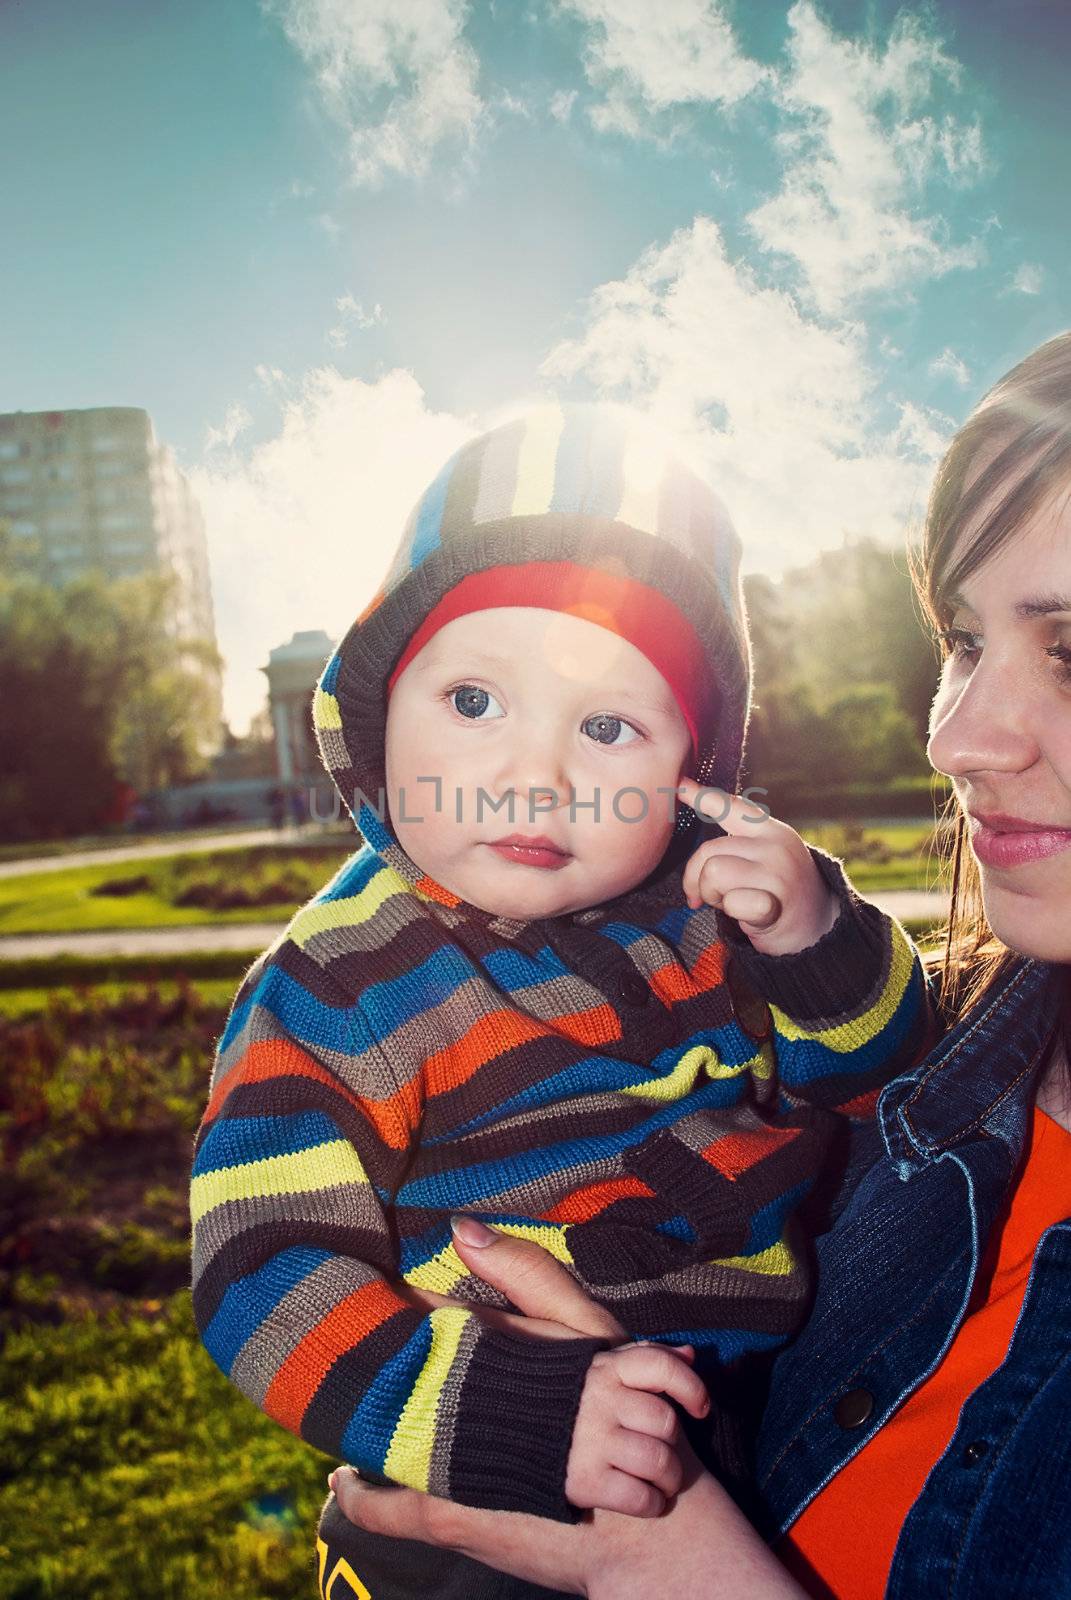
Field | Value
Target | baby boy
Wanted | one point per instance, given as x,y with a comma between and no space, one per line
545,992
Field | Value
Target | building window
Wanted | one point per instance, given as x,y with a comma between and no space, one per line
15,475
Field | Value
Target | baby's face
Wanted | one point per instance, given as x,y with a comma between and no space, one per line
544,715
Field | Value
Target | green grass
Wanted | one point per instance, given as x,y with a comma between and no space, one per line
889,856
133,1470
129,1466
64,901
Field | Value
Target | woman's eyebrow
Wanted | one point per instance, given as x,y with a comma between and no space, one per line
1043,605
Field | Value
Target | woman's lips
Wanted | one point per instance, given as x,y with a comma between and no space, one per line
1011,842
531,853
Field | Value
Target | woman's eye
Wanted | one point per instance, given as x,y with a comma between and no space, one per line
1061,654
472,701
961,645
604,729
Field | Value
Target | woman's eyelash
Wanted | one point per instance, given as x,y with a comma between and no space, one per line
959,641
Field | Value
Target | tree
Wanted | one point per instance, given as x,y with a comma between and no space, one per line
94,690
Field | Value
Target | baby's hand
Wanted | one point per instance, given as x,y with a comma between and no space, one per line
624,1451
761,874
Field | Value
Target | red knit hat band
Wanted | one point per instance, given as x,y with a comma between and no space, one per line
633,610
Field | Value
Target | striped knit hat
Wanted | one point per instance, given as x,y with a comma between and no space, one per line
589,498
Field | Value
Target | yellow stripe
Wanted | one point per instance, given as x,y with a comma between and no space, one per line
443,1272
776,1262
323,915
536,462
323,1167
701,1058
325,710
409,1456
849,1036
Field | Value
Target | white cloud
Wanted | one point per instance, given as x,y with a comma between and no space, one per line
352,314
1028,279
644,59
949,365
401,79
301,527
858,152
235,421
561,104
785,410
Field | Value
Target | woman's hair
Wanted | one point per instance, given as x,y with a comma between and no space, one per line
1011,456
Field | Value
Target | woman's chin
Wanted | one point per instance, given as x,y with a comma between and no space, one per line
1035,924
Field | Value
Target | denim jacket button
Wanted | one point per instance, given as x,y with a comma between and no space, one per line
974,1452
853,1408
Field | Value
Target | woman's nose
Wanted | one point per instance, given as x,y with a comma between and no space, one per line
987,722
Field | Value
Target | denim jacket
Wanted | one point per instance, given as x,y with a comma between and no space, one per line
896,1271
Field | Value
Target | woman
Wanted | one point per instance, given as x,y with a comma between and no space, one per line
917,1438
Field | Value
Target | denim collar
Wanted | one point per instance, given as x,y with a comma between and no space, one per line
984,1063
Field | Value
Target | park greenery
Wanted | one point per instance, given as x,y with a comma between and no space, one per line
97,693
129,1466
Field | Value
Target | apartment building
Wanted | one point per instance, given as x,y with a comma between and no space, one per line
95,489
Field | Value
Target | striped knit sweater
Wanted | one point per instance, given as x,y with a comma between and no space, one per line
599,1083
607,1082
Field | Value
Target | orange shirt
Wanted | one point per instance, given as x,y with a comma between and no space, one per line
848,1533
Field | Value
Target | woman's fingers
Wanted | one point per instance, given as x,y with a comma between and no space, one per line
536,1283
503,1539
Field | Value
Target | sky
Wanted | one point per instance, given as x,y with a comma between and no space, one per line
323,242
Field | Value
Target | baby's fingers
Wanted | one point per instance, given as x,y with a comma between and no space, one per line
653,1460
757,907
658,1370
633,1497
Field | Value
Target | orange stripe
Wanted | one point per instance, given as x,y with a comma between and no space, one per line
734,1153
863,1105
345,1325
488,1037
435,891
672,984
596,1026
392,1118
708,968
269,1058
586,1203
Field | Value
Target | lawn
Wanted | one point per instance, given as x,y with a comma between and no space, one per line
259,884
129,1466
268,883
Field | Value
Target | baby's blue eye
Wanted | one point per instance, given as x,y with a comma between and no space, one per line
604,729
472,701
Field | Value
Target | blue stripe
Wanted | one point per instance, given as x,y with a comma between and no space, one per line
465,1185
571,464
605,1074
768,1225
427,535
234,1141
395,1001
606,478
367,1435
249,1300
329,676
804,1062
513,970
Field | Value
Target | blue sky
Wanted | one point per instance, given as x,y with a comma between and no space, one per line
322,241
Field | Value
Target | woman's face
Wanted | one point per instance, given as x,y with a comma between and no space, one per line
1001,729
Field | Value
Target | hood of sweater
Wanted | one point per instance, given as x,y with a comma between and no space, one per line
587,484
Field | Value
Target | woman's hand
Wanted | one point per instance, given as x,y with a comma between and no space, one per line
700,1546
